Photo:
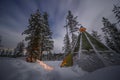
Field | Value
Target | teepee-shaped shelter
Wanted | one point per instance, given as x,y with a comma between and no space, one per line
90,54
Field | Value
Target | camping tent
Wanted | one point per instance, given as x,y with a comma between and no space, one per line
91,54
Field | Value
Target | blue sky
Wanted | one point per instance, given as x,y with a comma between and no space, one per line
14,15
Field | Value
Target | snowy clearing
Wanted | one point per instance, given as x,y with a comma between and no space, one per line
18,69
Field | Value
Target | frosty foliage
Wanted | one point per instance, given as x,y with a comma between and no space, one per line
116,11
71,27
112,35
39,36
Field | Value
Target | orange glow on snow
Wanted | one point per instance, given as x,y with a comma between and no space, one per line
45,66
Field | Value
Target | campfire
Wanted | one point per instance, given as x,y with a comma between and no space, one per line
45,66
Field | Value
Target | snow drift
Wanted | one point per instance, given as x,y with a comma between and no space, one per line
18,69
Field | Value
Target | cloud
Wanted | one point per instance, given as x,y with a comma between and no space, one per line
10,38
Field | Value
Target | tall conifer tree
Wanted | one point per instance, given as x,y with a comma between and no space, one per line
72,24
37,32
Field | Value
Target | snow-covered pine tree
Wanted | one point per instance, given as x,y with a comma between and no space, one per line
37,32
35,36
48,42
67,46
72,24
116,11
96,35
112,35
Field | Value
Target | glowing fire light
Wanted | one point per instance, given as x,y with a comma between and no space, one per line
45,66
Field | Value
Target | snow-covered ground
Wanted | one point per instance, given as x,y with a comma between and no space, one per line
19,69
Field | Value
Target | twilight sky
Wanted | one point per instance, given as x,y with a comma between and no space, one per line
14,15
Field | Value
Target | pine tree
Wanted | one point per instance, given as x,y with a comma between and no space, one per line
37,32
96,35
67,45
35,37
48,42
116,11
72,24
112,35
